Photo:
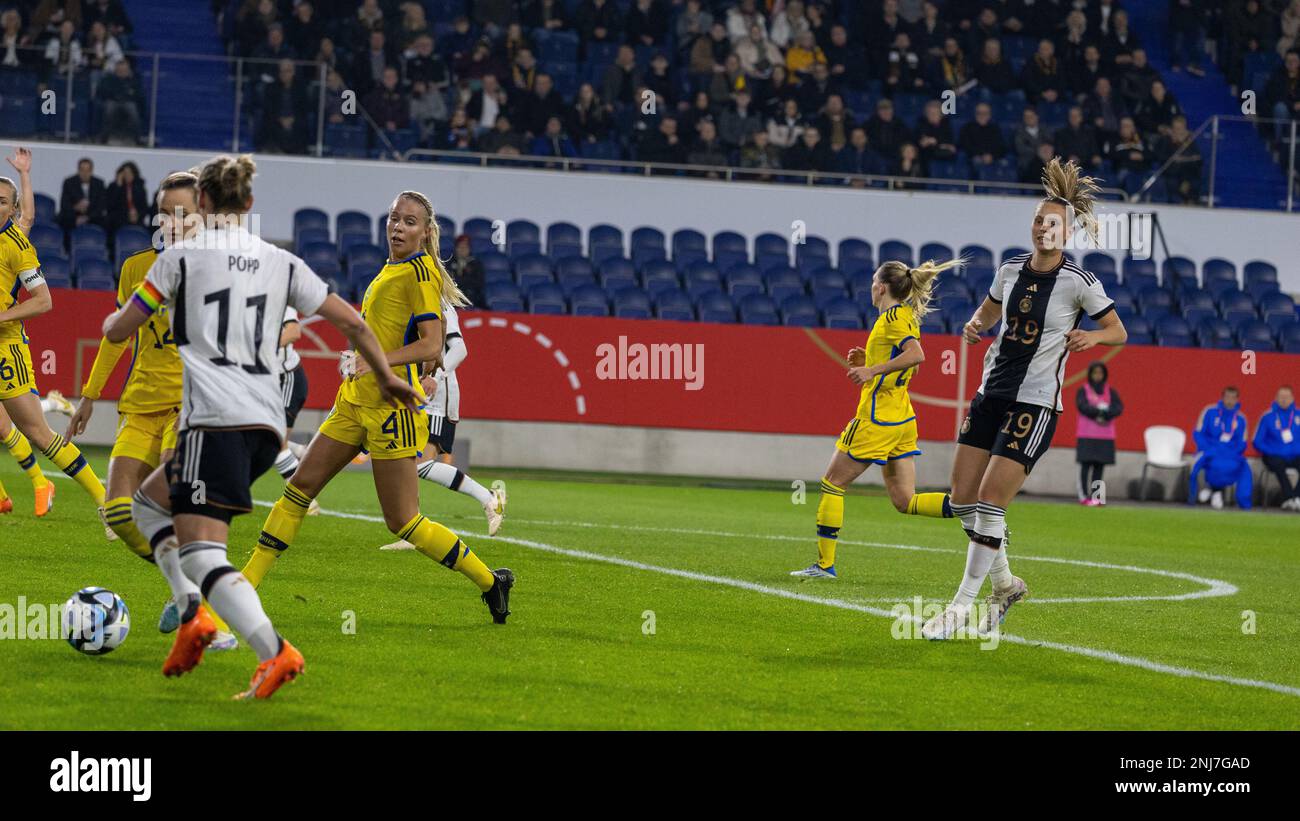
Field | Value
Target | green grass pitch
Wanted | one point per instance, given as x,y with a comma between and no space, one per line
736,643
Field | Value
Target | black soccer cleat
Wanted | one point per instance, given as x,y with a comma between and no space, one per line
498,598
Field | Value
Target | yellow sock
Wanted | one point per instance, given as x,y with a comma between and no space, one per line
830,518
935,505
3,494
279,531
21,450
117,512
67,457
443,546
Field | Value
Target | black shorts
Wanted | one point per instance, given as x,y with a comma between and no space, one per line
442,432
1005,427
293,384
212,472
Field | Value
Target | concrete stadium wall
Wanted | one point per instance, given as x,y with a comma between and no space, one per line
288,183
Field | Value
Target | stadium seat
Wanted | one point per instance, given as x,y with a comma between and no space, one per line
632,303
659,274
617,274
1261,288
976,256
758,310
1276,304
800,311
563,239
689,240
934,323
1100,264
47,209
364,261
46,235
936,251
309,218
716,307
1236,307
1164,445
57,272
318,254
1218,270
503,296
854,255
546,298
1258,271
892,249
842,313
1255,335
1173,331
496,266
673,304
648,243
589,300
312,236
604,241
702,277
814,249
532,270
1144,268
1289,337
571,272
1178,268
523,236
357,222
1155,302
782,283
1215,333
93,273
1139,331
743,280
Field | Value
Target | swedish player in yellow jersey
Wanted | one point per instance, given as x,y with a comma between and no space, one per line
21,270
403,305
883,431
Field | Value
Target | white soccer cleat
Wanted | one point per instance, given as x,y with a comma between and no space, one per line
1000,602
295,448
108,531
400,544
313,509
495,510
815,571
224,641
59,404
945,625
1216,500
1204,495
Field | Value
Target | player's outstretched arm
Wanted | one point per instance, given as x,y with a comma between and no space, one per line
38,302
122,324
22,163
984,317
344,317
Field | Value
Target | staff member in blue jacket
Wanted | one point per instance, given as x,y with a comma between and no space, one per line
1278,441
1221,440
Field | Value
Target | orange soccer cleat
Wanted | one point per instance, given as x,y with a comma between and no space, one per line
287,665
44,498
6,505
191,640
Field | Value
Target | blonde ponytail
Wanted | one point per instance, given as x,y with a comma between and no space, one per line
451,293
914,287
1065,186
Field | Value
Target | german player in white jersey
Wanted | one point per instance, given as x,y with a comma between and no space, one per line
443,407
293,386
1041,298
226,291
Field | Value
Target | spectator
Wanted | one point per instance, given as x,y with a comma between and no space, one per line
1100,16
731,80
1221,442
1187,35
758,54
951,70
284,113
816,90
304,30
102,52
541,106
368,65
334,100
846,61
908,164
779,89
709,54
1128,156
1156,114
880,33
934,135
1076,38
252,21
549,15
1135,83
858,158
700,110
693,22
1077,141
460,132
501,139
993,71
1183,176
835,121
885,133
108,12
120,99
760,153
12,53
511,48
647,23
1099,404
803,55
63,53
1084,76
1118,46
414,25
981,139
660,79
1278,441
789,24
809,154
460,42
1041,77
598,21
740,17
420,64
1027,138
588,120
1283,94
273,49
1250,30
1289,24
785,131
48,17
903,69
428,111
1032,173
486,104
662,145
553,142
708,149
467,270
126,201
493,15
931,31
83,198
739,120
1105,111
621,79
327,53
385,104
480,62
369,17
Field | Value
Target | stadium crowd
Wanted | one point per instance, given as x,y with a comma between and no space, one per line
767,85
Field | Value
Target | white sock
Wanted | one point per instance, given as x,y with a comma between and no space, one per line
1000,570
449,476
966,513
230,594
48,406
184,592
286,463
978,559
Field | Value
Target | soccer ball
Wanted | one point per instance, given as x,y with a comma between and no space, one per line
95,621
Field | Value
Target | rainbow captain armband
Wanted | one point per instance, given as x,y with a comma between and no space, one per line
147,298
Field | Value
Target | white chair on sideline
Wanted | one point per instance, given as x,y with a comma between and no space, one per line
1164,450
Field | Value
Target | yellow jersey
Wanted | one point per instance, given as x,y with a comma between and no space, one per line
153,382
403,294
19,267
885,400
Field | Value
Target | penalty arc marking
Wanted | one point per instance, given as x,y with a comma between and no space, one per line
543,340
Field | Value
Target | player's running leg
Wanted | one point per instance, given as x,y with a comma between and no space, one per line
900,482
55,402
841,472
21,450
286,464
453,478
399,497
25,411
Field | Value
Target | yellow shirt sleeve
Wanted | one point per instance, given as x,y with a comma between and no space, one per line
425,292
900,326
110,353
26,260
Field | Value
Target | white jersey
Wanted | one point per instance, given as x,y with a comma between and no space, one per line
227,298
446,396
1027,360
289,358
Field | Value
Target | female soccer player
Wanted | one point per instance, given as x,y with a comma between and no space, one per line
883,432
443,408
1040,297
227,291
404,306
20,268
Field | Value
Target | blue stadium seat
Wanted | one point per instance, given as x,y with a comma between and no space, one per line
616,274
828,285
1173,331
1276,304
632,303
364,261
446,225
1155,302
689,240
770,244
783,283
604,241
976,256
571,272
504,296
357,222
1139,331
1175,268
564,238
933,323
800,311
1138,282
1215,333
673,304
893,249
311,236
1099,263
309,218
1256,336
532,270
1138,267
813,247
758,310
743,280
854,255
546,298
319,254
47,209
91,273
1217,269
936,251
702,277
716,307
348,239
589,300
1236,307
523,231
659,274
1259,271
346,140
1257,290
842,313
730,244
496,266
57,272
88,236
46,235
1289,337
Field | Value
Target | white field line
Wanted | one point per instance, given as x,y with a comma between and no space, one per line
1087,652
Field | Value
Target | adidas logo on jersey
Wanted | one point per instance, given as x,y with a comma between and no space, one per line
1013,446
391,446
